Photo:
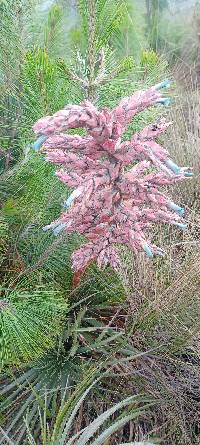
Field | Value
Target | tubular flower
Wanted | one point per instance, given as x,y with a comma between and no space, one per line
111,204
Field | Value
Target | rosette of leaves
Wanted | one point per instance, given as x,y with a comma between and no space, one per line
48,381
65,424
29,324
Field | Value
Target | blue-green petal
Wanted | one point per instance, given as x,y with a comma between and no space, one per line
39,142
165,84
148,251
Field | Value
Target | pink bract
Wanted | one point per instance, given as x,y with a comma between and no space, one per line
111,205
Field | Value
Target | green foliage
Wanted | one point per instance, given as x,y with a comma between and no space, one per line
108,18
3,238
32,85
67,416
85,341
15,17
137,326
64,419
132,37
99,23
53,375
44,91
29,324
149,58
53,30
154,12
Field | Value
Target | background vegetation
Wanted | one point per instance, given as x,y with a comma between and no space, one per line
115,360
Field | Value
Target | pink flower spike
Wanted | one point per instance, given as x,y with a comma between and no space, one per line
117,185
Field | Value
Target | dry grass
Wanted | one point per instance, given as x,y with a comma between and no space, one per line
163,299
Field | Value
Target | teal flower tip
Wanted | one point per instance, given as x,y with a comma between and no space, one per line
165,84
59,228
181,211
45,229
67,203
176,208
182,226
39,142
188,174
174,167
69,200
148,251
165,101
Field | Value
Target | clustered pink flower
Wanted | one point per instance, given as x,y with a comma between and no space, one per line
111,204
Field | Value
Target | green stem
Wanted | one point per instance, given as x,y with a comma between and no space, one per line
91,90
